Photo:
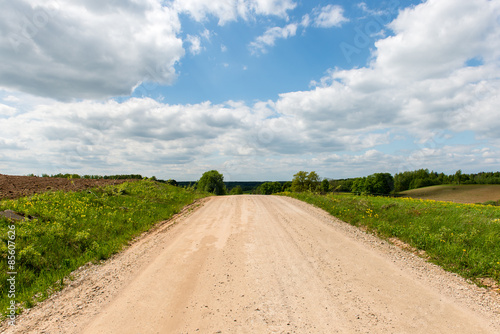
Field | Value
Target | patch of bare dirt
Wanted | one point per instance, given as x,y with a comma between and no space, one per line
18,186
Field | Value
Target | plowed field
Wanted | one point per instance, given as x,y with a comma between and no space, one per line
18,186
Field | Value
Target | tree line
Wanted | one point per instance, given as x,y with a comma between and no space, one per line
423,178
385,183
376,184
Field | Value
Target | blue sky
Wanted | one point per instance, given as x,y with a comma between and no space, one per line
257,89
228,68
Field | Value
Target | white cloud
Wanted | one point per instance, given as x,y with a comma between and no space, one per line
306,21
195,42
86,49
418,78
6,111
325,17
270,36
437,37
11,98
137,134
231,10
206,34
273,7
225,11
364,7
145,135
329,16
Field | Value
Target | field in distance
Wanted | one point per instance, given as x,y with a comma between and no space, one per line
467,193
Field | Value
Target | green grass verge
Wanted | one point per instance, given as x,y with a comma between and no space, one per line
73,228
462,238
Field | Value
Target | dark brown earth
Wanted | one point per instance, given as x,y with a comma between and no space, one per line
19,186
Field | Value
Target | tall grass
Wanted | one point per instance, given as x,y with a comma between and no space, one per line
462,238
73,228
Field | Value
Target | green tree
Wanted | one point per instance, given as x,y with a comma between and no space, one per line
381,183
358,185
378,183
287,186
236,190
313,181
458,176
212,182
268,188
299,182
172,182
325,185
304,181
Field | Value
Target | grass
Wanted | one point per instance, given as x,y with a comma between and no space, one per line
467,193
462,238
70,229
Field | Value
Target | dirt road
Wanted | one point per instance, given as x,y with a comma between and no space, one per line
265,264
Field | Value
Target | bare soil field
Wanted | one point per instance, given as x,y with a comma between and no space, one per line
263,264
18,186
467,193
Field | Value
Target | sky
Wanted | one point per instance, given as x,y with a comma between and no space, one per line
256,89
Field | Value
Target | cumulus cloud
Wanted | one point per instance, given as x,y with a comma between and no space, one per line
437,37
143,134
6,111
329,16
86,49
270,36
129,135
418,78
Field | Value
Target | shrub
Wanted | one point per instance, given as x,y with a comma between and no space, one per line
236,191
212,182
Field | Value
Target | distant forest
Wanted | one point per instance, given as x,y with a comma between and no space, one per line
248,187
378,183
411,180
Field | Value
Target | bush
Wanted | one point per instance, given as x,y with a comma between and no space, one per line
172,182
325,186
269,188
212,182
236,191
378,183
